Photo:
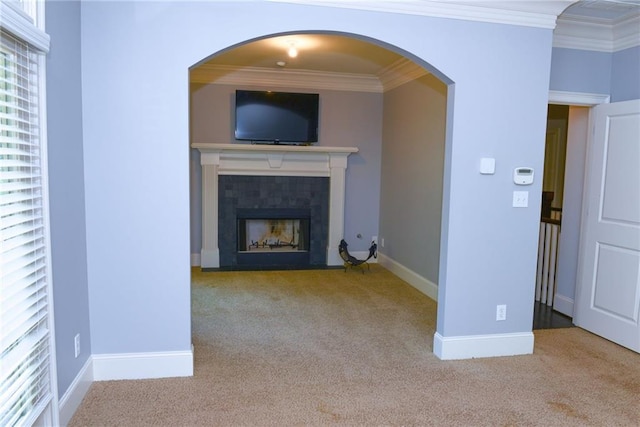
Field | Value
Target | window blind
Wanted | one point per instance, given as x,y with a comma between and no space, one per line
25,345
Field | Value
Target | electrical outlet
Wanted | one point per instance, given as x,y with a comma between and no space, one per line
382,242
76,344
501,312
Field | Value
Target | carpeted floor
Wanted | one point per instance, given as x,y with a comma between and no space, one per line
324,347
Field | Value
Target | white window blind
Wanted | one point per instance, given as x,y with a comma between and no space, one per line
25,342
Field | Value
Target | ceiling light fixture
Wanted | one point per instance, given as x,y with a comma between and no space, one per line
293,52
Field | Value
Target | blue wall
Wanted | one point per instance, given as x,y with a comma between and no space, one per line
615,74
66,188
580,71
413,146
625,75
136,129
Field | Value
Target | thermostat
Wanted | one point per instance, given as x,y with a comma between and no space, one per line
523,176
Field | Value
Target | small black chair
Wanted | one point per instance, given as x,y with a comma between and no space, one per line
351,261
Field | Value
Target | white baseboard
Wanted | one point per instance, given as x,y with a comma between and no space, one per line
425,286
563,304
72,398
134,366
195,260
473,346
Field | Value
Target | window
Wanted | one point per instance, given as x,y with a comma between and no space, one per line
27,373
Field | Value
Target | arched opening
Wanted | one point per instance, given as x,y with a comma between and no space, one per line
385,102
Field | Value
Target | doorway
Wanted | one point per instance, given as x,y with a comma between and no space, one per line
353,112
544,315
568,113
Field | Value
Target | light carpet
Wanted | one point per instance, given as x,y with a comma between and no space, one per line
325,347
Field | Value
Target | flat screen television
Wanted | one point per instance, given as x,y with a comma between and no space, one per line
276,117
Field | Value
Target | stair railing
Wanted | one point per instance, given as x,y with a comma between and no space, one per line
548,257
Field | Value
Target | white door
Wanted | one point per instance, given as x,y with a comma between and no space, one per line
608,287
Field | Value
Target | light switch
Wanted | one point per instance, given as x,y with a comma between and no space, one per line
520,199
487,166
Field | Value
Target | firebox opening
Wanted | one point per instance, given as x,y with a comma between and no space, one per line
273,235
268,237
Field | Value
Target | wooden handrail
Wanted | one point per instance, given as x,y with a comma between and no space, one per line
551,221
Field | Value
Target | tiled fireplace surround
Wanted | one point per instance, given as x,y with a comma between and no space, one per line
256,163
272,197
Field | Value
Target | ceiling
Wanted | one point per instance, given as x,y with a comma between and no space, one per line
328,53
604,11
318,52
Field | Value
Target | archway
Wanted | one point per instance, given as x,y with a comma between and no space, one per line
389,104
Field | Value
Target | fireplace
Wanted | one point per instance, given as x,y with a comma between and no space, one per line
263,202
273,237
270,170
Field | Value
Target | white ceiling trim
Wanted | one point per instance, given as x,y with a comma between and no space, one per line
396,74
304,79
626,34
593,34
399,73
582,35
541,14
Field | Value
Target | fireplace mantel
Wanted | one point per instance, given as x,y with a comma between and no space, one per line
271,160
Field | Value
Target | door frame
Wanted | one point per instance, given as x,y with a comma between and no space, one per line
566,304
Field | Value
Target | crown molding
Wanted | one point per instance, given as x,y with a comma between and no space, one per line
540,14
597,35
399,73
582,34
626,34
392,76
228,75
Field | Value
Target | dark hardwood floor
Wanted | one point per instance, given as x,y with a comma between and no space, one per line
544,317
